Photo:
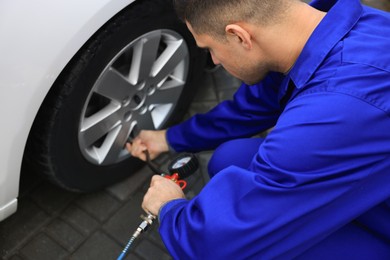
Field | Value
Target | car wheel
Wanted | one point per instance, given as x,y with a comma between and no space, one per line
137,72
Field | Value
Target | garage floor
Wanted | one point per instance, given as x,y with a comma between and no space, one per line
380,4
55,224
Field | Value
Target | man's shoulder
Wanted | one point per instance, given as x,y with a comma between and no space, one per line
368,42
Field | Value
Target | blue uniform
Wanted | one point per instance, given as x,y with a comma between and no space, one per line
318,186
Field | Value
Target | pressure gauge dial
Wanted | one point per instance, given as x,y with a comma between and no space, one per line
184,165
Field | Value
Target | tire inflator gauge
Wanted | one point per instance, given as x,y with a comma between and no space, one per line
184,165
180,167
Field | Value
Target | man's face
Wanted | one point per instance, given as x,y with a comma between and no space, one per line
239,62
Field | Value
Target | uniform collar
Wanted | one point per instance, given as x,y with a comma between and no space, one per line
341,16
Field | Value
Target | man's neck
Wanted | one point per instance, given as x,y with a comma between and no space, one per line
305,21
286,39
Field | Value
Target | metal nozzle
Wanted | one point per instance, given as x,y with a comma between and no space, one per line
147,221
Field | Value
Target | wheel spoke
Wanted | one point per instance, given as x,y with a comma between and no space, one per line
99,124
113,145
174,53
114,86
144,55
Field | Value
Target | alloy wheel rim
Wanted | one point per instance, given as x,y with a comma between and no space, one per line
138,89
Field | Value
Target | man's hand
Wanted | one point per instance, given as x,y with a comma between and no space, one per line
153,141
161,190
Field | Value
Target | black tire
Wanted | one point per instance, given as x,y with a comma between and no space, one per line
56,142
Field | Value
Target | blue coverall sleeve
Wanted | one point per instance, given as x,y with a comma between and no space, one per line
254,109
305,183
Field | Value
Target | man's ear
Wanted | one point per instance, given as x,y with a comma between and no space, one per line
239,34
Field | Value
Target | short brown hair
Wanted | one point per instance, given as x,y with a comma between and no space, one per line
212,16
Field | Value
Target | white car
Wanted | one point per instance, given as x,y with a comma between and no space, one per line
78,77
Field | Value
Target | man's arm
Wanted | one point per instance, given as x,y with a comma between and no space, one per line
321,167
254,109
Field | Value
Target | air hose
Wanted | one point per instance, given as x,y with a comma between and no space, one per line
182,166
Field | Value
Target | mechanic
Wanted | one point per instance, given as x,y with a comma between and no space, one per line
318,185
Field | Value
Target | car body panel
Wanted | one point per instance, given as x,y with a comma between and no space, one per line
38,39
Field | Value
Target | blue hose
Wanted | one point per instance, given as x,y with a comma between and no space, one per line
124,251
